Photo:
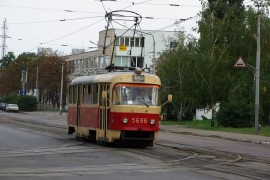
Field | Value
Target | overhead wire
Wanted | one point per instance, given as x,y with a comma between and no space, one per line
103,6
161,29
82,18
171,25
55,44
48,9
146,2
157,4
135,4
47,42
59,20
68,34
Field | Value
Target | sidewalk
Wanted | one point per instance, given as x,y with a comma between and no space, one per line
49,114
56,118
178,129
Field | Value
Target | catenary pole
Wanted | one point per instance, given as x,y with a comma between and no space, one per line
61,93
257,73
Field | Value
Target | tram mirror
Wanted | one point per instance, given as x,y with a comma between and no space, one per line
104,94
169,98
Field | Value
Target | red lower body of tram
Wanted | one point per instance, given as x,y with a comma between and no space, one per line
138,127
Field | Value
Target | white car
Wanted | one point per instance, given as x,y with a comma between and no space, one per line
12,108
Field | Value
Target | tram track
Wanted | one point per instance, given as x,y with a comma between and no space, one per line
207,156
53,130
231,165
124,168
63,149
163,154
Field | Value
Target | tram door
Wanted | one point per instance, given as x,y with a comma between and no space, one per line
104,111
79,97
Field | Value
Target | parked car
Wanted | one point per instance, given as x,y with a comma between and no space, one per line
12,108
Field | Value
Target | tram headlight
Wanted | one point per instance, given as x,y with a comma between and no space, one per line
125,120
152,121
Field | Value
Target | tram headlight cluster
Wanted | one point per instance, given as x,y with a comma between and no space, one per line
152,121
125,120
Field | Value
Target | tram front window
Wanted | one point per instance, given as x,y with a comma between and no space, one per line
136,94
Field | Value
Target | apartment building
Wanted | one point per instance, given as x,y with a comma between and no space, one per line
122,48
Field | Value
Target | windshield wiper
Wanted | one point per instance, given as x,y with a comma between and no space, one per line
144,103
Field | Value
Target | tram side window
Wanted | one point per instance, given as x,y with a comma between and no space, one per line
75,92
89,94
95,93
84,94
116,95
70,94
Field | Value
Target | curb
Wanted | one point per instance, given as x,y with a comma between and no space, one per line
217,137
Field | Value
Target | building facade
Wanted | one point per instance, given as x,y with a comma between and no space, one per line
124,48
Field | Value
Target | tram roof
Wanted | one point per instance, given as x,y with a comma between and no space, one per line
108,77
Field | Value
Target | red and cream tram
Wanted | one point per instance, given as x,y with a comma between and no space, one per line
117,106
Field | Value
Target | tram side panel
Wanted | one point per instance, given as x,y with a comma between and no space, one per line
72,115
90,117
72,118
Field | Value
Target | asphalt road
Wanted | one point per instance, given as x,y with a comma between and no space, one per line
18,138
245,148
29,153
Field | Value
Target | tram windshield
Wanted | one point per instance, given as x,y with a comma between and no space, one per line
136,94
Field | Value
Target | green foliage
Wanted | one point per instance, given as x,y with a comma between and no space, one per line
176,70
235,114
43,72
10,57
200,72
11,99
25,103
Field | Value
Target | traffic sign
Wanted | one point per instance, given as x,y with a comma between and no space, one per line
22,92
240,63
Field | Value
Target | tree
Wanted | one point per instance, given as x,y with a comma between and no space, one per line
227,31
10,82
175,68
221,40
7,59
50,78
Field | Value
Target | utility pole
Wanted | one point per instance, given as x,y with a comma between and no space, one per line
24,79
4,37
37,93
258,4
154,55
61,93
257,75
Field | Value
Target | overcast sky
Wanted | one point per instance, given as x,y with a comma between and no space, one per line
37,23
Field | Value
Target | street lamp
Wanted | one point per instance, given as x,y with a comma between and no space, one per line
37,84
61,93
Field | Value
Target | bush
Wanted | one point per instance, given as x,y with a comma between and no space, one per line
235,114
11,99
25,103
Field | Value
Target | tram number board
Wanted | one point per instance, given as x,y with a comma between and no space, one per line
138,78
